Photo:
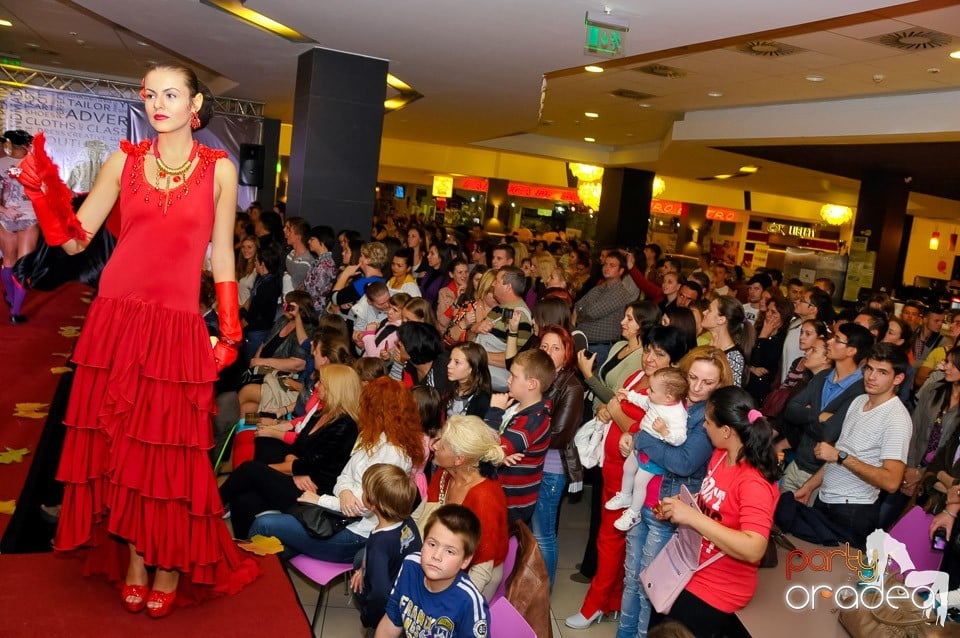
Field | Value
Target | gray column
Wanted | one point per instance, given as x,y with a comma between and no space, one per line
337,124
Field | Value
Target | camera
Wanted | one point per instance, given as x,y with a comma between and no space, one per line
507,314
939,542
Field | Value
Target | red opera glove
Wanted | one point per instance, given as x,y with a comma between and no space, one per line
231,335
50,197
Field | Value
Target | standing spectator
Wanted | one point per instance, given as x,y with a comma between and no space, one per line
402,279
912,314
596,313
939,353
436,277
731,333
246,269
261,307
18,223
503,255
755,287
458,284
491,330
296,232
353,278
813,304
768,348
736,507
323,271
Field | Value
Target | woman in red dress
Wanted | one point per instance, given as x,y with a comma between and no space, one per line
139,488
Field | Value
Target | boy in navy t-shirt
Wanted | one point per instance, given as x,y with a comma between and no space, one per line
433,596
389,493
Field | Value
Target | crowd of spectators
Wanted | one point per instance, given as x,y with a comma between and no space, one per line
469,362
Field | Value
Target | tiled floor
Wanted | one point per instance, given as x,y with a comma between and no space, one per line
338,619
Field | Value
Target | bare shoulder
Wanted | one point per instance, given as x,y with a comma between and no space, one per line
226,172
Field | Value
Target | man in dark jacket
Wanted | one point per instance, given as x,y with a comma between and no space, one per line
816,413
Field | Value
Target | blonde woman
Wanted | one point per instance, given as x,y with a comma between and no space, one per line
464,443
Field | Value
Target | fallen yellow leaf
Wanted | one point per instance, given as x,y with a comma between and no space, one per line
79,317
65,355
7,507
69,331
31,410
13,456
86,299
60,370
262,545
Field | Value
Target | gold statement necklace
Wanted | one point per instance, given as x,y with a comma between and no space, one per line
171,175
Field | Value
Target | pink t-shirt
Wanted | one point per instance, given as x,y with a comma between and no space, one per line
740,498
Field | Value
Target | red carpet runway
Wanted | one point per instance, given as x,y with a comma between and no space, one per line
43,595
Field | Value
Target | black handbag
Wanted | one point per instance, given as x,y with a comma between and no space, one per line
320,522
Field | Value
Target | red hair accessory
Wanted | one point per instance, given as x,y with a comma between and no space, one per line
753,415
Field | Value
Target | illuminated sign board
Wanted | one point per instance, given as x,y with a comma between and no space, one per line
723,214
665,207
478,184
543,192
442,186
789,230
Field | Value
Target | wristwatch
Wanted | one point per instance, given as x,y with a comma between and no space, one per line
841,457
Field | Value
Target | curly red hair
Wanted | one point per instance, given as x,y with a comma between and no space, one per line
387,407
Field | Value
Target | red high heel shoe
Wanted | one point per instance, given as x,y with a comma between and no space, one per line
165,600
138,593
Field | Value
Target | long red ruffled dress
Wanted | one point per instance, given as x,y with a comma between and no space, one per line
135,463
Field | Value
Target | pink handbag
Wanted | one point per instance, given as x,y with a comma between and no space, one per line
671,569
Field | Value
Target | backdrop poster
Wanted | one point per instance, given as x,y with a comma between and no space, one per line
81,130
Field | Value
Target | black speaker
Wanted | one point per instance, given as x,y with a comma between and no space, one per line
251,165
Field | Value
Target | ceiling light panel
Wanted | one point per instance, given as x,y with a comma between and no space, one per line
254,18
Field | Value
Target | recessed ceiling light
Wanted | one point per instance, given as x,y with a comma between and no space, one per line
725,176
955,55
142,43
715,94
589,139
644,105
934,70
593,68
5,23
592,115
814,78
749,168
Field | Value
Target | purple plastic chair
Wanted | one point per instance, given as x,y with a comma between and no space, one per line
505,620
913,530
508,564
321,572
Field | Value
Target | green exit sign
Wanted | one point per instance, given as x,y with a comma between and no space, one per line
604,41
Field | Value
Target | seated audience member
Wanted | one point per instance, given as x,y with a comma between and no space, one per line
432,591
257,315
419,309
284,353
390,495
491,329
323,271
379,339
471,308
523,421
369,369
316,458
419,357
735,515
817,412
467,449
371,309
596,314
352,282
869,456
389,432
468,391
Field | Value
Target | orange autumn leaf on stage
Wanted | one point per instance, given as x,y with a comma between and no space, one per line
60,370
69,331
13,456
8,507
31,410
262,545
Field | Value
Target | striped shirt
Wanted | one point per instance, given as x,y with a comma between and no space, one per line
871,436
526,431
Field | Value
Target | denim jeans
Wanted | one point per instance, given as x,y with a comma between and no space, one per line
342,547
544,522
644,541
